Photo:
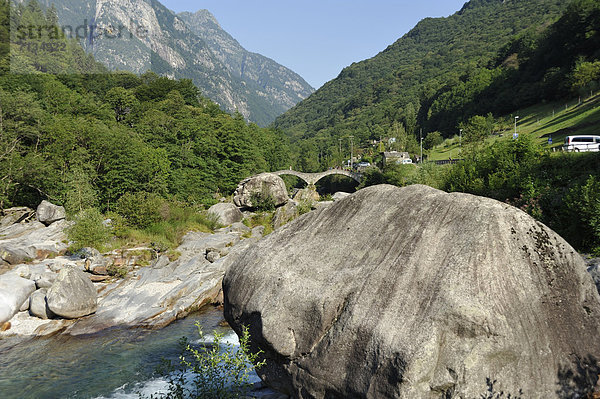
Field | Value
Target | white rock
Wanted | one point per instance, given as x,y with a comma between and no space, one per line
14,291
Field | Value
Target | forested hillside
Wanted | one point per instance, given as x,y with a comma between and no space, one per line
401,87
85,139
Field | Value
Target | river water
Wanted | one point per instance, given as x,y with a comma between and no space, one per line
113,364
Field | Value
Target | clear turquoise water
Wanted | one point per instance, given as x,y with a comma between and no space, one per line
113,363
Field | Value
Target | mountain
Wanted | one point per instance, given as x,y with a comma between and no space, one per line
397,87
142,35
285,86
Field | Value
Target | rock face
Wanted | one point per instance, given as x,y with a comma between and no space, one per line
166,291
228,214
48,213
14,292
265,184
308,194
15,215
22,242
415,293
285,214
72,295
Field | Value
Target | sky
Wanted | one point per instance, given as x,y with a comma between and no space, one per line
318,38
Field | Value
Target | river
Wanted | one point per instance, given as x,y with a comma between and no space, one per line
112,364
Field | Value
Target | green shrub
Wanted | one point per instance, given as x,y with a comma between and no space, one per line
88,230
262,200
218,370
142,209
304,207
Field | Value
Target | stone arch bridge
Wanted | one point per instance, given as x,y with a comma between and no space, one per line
313,178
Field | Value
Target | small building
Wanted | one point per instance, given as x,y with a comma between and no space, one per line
394,157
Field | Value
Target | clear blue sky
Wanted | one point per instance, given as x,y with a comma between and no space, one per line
318,38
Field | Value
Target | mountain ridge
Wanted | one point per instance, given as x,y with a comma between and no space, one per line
368,97
171,48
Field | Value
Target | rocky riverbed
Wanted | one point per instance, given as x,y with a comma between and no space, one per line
73,294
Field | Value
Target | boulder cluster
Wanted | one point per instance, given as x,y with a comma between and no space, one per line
268,185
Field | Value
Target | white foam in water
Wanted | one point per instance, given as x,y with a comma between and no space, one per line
230,338
140,390
160,385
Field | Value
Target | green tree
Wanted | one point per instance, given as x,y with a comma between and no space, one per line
432,140
122,101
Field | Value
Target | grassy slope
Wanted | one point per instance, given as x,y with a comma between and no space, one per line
557,120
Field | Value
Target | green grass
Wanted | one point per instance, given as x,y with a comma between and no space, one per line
557,120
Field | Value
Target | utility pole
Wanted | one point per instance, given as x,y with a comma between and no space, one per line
340,153
351,152
460,141
421,146
516,135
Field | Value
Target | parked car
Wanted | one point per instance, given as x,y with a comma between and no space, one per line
407,161
582,143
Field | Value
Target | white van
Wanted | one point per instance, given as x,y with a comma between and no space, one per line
582,143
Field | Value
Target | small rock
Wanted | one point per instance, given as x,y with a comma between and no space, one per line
227,214
44,280
97,279
72,295
49,213
24,306
38,305
5,326
100,271
87,252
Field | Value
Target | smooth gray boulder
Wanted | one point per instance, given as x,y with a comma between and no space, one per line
226,213
49,213
308,195
14,292
264,185
415,293
38,305
72,295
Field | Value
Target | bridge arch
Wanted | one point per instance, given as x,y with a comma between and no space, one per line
313,178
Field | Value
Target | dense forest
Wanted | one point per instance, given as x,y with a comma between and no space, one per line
77,135
492,57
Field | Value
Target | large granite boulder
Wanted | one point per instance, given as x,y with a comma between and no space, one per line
263,185
14,292
226,213
308,195
49,213
72,295
415,293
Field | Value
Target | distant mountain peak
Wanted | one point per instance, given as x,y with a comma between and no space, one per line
202,16
187,45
